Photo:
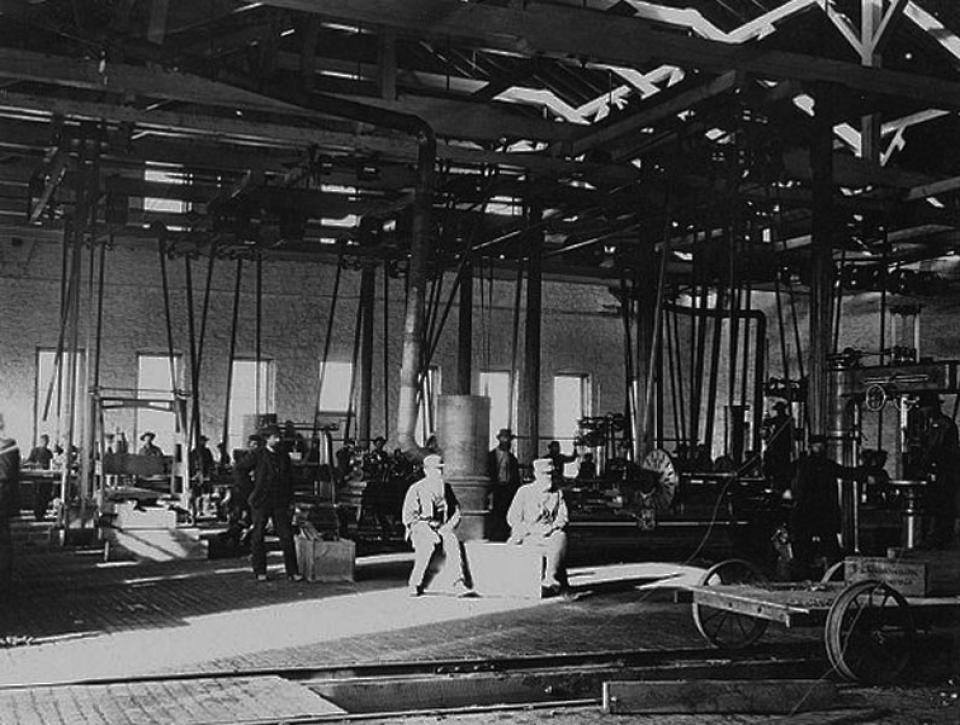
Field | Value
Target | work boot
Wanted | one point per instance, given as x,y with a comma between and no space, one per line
459,589
414,591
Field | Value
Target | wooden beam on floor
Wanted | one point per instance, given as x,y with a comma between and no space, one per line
766,697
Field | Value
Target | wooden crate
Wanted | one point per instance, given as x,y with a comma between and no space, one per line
326,561
911,572
504,569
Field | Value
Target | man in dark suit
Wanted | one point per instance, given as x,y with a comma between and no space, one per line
271,498
504,472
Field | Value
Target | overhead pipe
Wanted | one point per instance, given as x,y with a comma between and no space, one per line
420,233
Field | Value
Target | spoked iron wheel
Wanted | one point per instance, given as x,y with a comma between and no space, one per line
869,633
721,627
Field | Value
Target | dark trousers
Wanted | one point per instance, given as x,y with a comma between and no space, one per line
42,496
806,549
6,556
281,524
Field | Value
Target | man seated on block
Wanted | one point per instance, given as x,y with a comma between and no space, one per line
538,517
431,513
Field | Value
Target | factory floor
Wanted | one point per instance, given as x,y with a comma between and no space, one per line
74,617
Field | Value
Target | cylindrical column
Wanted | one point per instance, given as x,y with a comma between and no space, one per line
463,423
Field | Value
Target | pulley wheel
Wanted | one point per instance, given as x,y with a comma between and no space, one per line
869,633
721,627
658,461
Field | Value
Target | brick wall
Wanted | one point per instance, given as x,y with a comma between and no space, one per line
578,334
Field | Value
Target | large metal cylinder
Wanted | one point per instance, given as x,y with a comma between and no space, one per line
463,431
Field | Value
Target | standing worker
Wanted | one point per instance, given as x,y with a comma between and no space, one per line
40,458
939,457
537,518
9,505
815,519
504,472
148,448
271,498
431,513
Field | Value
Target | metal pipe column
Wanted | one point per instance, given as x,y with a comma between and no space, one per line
528,405
821,259
465,332
368,278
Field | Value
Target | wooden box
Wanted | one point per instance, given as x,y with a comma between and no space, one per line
326,561
911,572
504,569
129,517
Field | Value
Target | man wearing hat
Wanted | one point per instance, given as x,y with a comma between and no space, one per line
815,519
778,445
271,498
504,472
201,459
148,448
538,517
431,514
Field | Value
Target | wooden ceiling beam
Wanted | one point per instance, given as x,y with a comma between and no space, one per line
553,30
654,110
261,134
473,120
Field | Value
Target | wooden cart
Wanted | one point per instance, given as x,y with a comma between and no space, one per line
869,627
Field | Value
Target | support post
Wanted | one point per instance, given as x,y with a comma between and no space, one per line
465,332
368,277
416,279
528,405
646,281
821,259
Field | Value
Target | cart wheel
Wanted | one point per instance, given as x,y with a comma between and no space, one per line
834,573
721,627
869,633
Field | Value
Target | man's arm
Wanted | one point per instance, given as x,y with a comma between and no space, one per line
515,517
410,512
454,521
563,516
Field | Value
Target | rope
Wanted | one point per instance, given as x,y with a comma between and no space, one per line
165,284
353,368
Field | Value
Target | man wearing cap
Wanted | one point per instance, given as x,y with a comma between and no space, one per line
271,498
431,513
148,449
538,517
559,460
815,519
504,472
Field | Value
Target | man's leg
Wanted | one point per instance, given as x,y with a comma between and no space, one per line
258,551
453,569
424,540
281,523
554,551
